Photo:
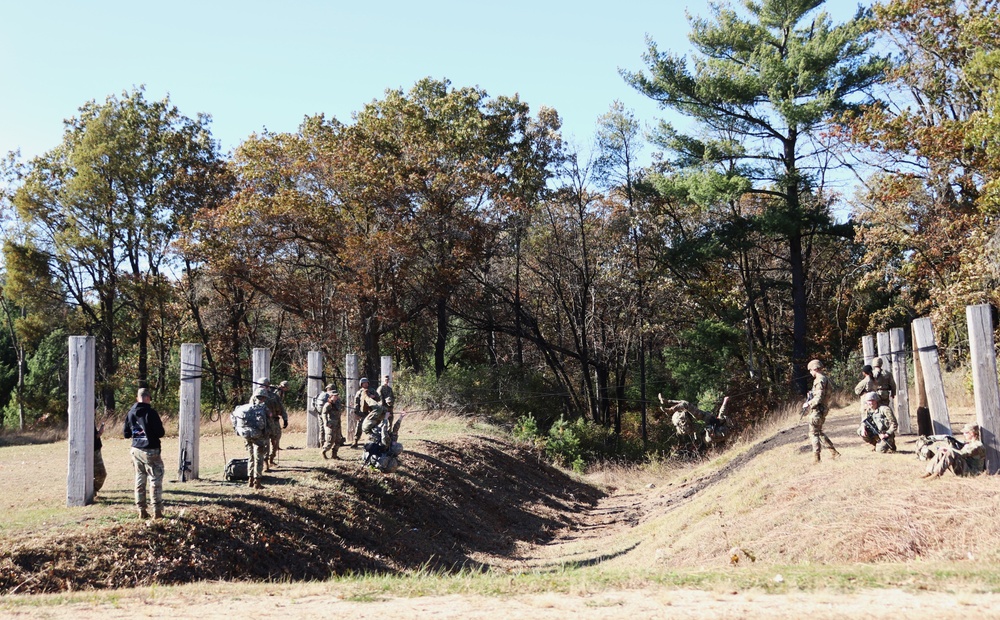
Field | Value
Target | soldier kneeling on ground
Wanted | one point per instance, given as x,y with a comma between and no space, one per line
965,459
878,424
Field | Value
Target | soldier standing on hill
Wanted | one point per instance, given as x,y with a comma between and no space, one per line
385,393
885,384
330,422
144,428
275,422
368,409
818,405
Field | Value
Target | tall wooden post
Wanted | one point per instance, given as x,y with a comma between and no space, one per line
80,477
868,346
314,385
934,382
924,426
351,368
884,350
261,366
189,418
984,381
386,368
897,340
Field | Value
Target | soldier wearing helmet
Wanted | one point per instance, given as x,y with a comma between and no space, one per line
817,407
878,424
883,382
368,408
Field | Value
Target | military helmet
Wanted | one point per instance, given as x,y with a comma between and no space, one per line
971,428
815,365
363,380
877,362
330,387
283,385
867,396
263,381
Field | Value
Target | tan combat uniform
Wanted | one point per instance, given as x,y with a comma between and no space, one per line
818,406
968,461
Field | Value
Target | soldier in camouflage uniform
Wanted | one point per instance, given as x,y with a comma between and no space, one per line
884,383
385,393
275,422
368,408
867,384
883,437
968,460
329,417
817,407
258,448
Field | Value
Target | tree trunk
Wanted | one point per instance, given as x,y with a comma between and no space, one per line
442,336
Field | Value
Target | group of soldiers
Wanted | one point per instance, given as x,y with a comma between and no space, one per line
371,407
879,425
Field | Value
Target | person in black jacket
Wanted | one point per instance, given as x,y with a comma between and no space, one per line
144,428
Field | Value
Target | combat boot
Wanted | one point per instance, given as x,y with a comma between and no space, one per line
836,455
250,482
157,512
256,484
815,457
325,450
333,453
143,514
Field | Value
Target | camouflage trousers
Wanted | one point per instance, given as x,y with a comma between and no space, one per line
370,421
881,445
100,471
946,459
148,468
330,430
257,449
816,435
274,437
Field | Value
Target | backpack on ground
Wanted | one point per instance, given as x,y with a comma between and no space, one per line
238,469
249,421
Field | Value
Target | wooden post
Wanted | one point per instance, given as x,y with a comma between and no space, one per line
931,366
898,353
884,350
868,345
80,478
189,418
261,366
924,426
984,381
386,369
314,385
351,368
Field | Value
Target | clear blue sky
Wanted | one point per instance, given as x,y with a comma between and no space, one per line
254,64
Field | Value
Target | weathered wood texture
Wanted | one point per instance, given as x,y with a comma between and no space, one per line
984,381
924,426
189,417
897,340
80,476
314,385
351,368
868,348
933,382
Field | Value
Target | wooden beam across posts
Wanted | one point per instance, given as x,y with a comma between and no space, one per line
189,418
897,340
933,380
261,367
984,381
351,387
868,347
924,426
314,385
80,477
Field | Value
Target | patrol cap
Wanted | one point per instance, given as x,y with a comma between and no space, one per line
867,396
283,385
329,387
877,362
971,428
815,365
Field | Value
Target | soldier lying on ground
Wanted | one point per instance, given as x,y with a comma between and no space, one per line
689,420
965,459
